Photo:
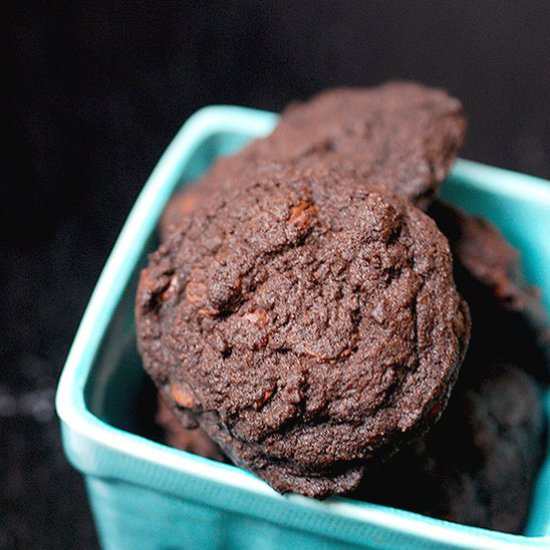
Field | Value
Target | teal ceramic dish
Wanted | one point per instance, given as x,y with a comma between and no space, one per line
145,495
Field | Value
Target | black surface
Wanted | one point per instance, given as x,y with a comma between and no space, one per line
94,94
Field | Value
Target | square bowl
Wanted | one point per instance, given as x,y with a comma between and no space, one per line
146,495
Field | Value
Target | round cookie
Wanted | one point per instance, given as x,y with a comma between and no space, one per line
400,136
477,466
307,322
509,323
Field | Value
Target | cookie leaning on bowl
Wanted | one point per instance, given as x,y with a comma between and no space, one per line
477,466
401,136
308,323
509,323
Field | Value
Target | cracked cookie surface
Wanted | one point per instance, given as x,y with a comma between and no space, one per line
307,322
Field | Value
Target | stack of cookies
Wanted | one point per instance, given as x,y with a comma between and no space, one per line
316,315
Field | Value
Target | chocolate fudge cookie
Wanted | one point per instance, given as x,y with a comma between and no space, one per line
400,136
509,322
307,322
477,465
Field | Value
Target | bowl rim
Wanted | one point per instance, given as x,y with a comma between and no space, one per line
70,396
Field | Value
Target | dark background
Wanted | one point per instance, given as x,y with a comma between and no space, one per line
94,94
